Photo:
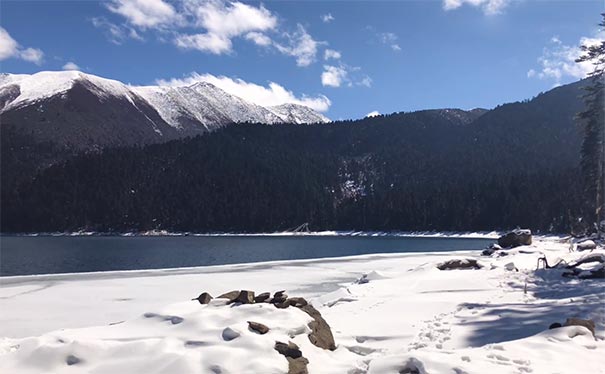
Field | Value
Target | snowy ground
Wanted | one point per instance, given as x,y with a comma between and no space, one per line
491,320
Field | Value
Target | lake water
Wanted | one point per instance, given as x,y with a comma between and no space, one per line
20,255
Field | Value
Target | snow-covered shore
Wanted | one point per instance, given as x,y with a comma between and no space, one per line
402,234
491,320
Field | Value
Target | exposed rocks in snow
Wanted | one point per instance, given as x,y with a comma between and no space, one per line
204,298
231,295
261,298
321,334
588,323
230,334
245,297
258,327
586,245
72,360
297,302
297,364
493,248
515,238
467,263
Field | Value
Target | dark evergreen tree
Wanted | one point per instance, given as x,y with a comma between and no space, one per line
592,120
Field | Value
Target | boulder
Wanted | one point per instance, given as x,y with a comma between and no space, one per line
280,294
321,334
245,297
588,323
467,263
204,298
261,298
555,325
279,299
258,327
493,248
231,296
515,238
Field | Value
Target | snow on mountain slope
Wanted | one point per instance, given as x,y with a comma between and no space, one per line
295,113
201,105
45,84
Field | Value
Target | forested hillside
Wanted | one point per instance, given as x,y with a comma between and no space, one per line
430,170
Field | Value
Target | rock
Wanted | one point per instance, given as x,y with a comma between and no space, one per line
72,360
278,300
288,350
467,263
493,248
230,334
297,301
321,334
262,297
588,323
258,327
586,245
204,298
245,297
515,238
231,296
297,364
555,325
511,266
280,294
283,305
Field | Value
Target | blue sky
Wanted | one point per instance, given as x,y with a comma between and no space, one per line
345,58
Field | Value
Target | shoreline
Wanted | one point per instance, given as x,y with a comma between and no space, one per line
162,233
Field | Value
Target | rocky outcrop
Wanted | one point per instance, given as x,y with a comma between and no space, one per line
459,264
245,297
515,238
231,295
261,298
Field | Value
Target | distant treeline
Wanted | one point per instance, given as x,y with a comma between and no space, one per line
516,165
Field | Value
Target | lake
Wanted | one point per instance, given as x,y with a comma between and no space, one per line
26,255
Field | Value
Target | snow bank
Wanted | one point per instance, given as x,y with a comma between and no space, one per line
389,313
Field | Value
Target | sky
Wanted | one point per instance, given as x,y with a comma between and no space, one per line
346,59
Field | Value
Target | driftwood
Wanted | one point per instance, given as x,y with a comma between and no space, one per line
598,273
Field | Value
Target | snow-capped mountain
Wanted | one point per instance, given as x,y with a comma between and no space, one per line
84,110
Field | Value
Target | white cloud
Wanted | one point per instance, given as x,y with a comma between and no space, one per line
373,113
273,94
558,60
331,54
34,55
9,48
327,18
390,39
116,34
337,76
365,81
223,22
145,13
489,7
259,38
71,66
301,46
333,76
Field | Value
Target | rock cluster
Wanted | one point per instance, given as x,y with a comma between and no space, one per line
320,335
588,323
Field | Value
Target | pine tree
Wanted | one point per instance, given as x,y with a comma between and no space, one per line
592,120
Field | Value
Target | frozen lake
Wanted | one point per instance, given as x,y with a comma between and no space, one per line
26,255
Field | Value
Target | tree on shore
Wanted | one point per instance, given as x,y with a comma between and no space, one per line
592,120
